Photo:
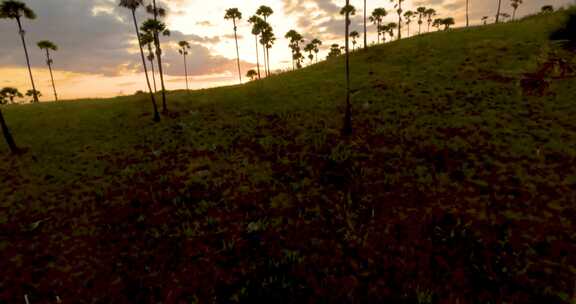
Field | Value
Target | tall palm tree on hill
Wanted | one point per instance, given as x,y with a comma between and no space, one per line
347,125
257,31
183,50
430,13
49,46
354,35
377,17
317,43
265,12
147,39
408,15
421,14
235,14
132,5
157,27
398,7
12,9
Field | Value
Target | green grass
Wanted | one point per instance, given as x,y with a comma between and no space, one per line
454,186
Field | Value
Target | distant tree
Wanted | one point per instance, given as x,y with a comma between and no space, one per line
447,22
253,75
377,17
317,43
408,15
515,4
9,93
335,51
309,48
390,27
183,50
485,20
133,5
354,35
347,125
31,93
48,46
421,11
234,14
437,23
265,12
147,39
7,134
295,39
498,11
504,16
257,27
430,13
398,7
11,9
547,9
156,27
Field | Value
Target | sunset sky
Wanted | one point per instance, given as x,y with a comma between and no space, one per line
98,53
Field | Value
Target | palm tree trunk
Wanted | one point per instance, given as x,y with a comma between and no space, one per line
258,56
467,13
237,49
365,31
152,65
156,115
498,12
49,62
268,60
378,30
408,25
186,72
22,33
347,126
514,14
8,136
159,58
399,19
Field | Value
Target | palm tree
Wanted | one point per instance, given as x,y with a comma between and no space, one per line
447,22
132,5
515,4
257,31
354,35
265,12
347,126
365,31
421,13
408,15
31,93
430,13
382,30
547,9
467,13
437,23
234,14
317,43
184,48
147,39
267,42
11,9
390,28
156,28
47,46
8,135
335,51
11,94
498,11
377,16
310,48
484,20
295,40
398,7
252,74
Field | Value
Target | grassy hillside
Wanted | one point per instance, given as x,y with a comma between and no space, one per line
454,187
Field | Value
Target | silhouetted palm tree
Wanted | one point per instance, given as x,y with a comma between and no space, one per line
408,15
484,20
421,13
347,125
335,51
390,27
310,48
47,46
257,26
11,9
317,43
132,5
267,42
398,7
234,14
430,13
295,40
377,16
156,28
467,13
547,9
437,23
147,39
184,48
354,35
252,74
31,93
265,12
8,135
515,4
498,11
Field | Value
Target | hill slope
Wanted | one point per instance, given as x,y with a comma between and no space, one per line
454,187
